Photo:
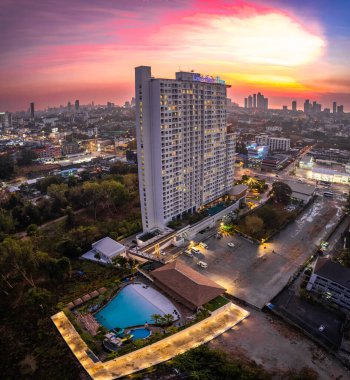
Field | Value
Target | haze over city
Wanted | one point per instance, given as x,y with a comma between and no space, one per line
55,51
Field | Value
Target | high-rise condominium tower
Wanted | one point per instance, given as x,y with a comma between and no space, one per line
185,155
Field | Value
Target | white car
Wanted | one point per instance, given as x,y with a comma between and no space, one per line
321,328
188,253
162,252
231,245
203,245
202,264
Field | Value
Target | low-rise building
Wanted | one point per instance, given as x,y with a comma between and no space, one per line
186,285
301,192
274,163
104,251
332,280
274,143
330,175
307,162
48,152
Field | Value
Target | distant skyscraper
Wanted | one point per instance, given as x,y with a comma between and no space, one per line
266,103
340,110
307,106
285,108
32,111
76,104
250,101
254,100
294,105
69,106
245,102
334,108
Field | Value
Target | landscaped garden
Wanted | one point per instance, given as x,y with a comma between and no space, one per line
265,221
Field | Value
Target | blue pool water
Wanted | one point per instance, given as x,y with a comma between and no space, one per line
128,308
140,333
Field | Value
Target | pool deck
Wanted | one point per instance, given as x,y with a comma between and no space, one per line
156,298
220,321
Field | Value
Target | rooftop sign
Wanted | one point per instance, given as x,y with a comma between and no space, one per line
207,79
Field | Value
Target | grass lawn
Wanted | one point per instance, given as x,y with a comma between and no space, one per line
216,303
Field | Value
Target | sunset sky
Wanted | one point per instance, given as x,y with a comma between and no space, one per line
52,51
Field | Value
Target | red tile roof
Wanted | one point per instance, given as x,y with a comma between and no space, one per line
187,283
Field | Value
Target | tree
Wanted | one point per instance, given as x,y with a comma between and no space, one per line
32,230
6,167
38,297
20,257
254,224
281,192
27,157
156,318
58,193
169,318
44,183
269,215
70,219
93,196
7,224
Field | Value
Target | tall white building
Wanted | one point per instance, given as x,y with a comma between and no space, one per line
185,155
274,143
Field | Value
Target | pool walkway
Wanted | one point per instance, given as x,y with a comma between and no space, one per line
202,332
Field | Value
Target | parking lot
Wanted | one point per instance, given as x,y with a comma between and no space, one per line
257,273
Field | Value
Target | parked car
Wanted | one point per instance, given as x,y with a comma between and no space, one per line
162,252
202,264
188,253
231,245
203,245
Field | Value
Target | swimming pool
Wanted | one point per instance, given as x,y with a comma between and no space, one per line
140,334
128,308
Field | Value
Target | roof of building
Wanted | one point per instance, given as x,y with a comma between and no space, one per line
301,188
108,246
188,283
333,271
324,171
238,189
307,159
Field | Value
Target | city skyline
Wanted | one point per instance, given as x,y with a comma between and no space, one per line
53,52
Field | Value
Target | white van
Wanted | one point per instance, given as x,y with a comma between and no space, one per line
202,264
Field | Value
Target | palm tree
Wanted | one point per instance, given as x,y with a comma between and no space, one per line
169,318
156,318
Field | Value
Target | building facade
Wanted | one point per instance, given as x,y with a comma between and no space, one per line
185,155
331,280
274,143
